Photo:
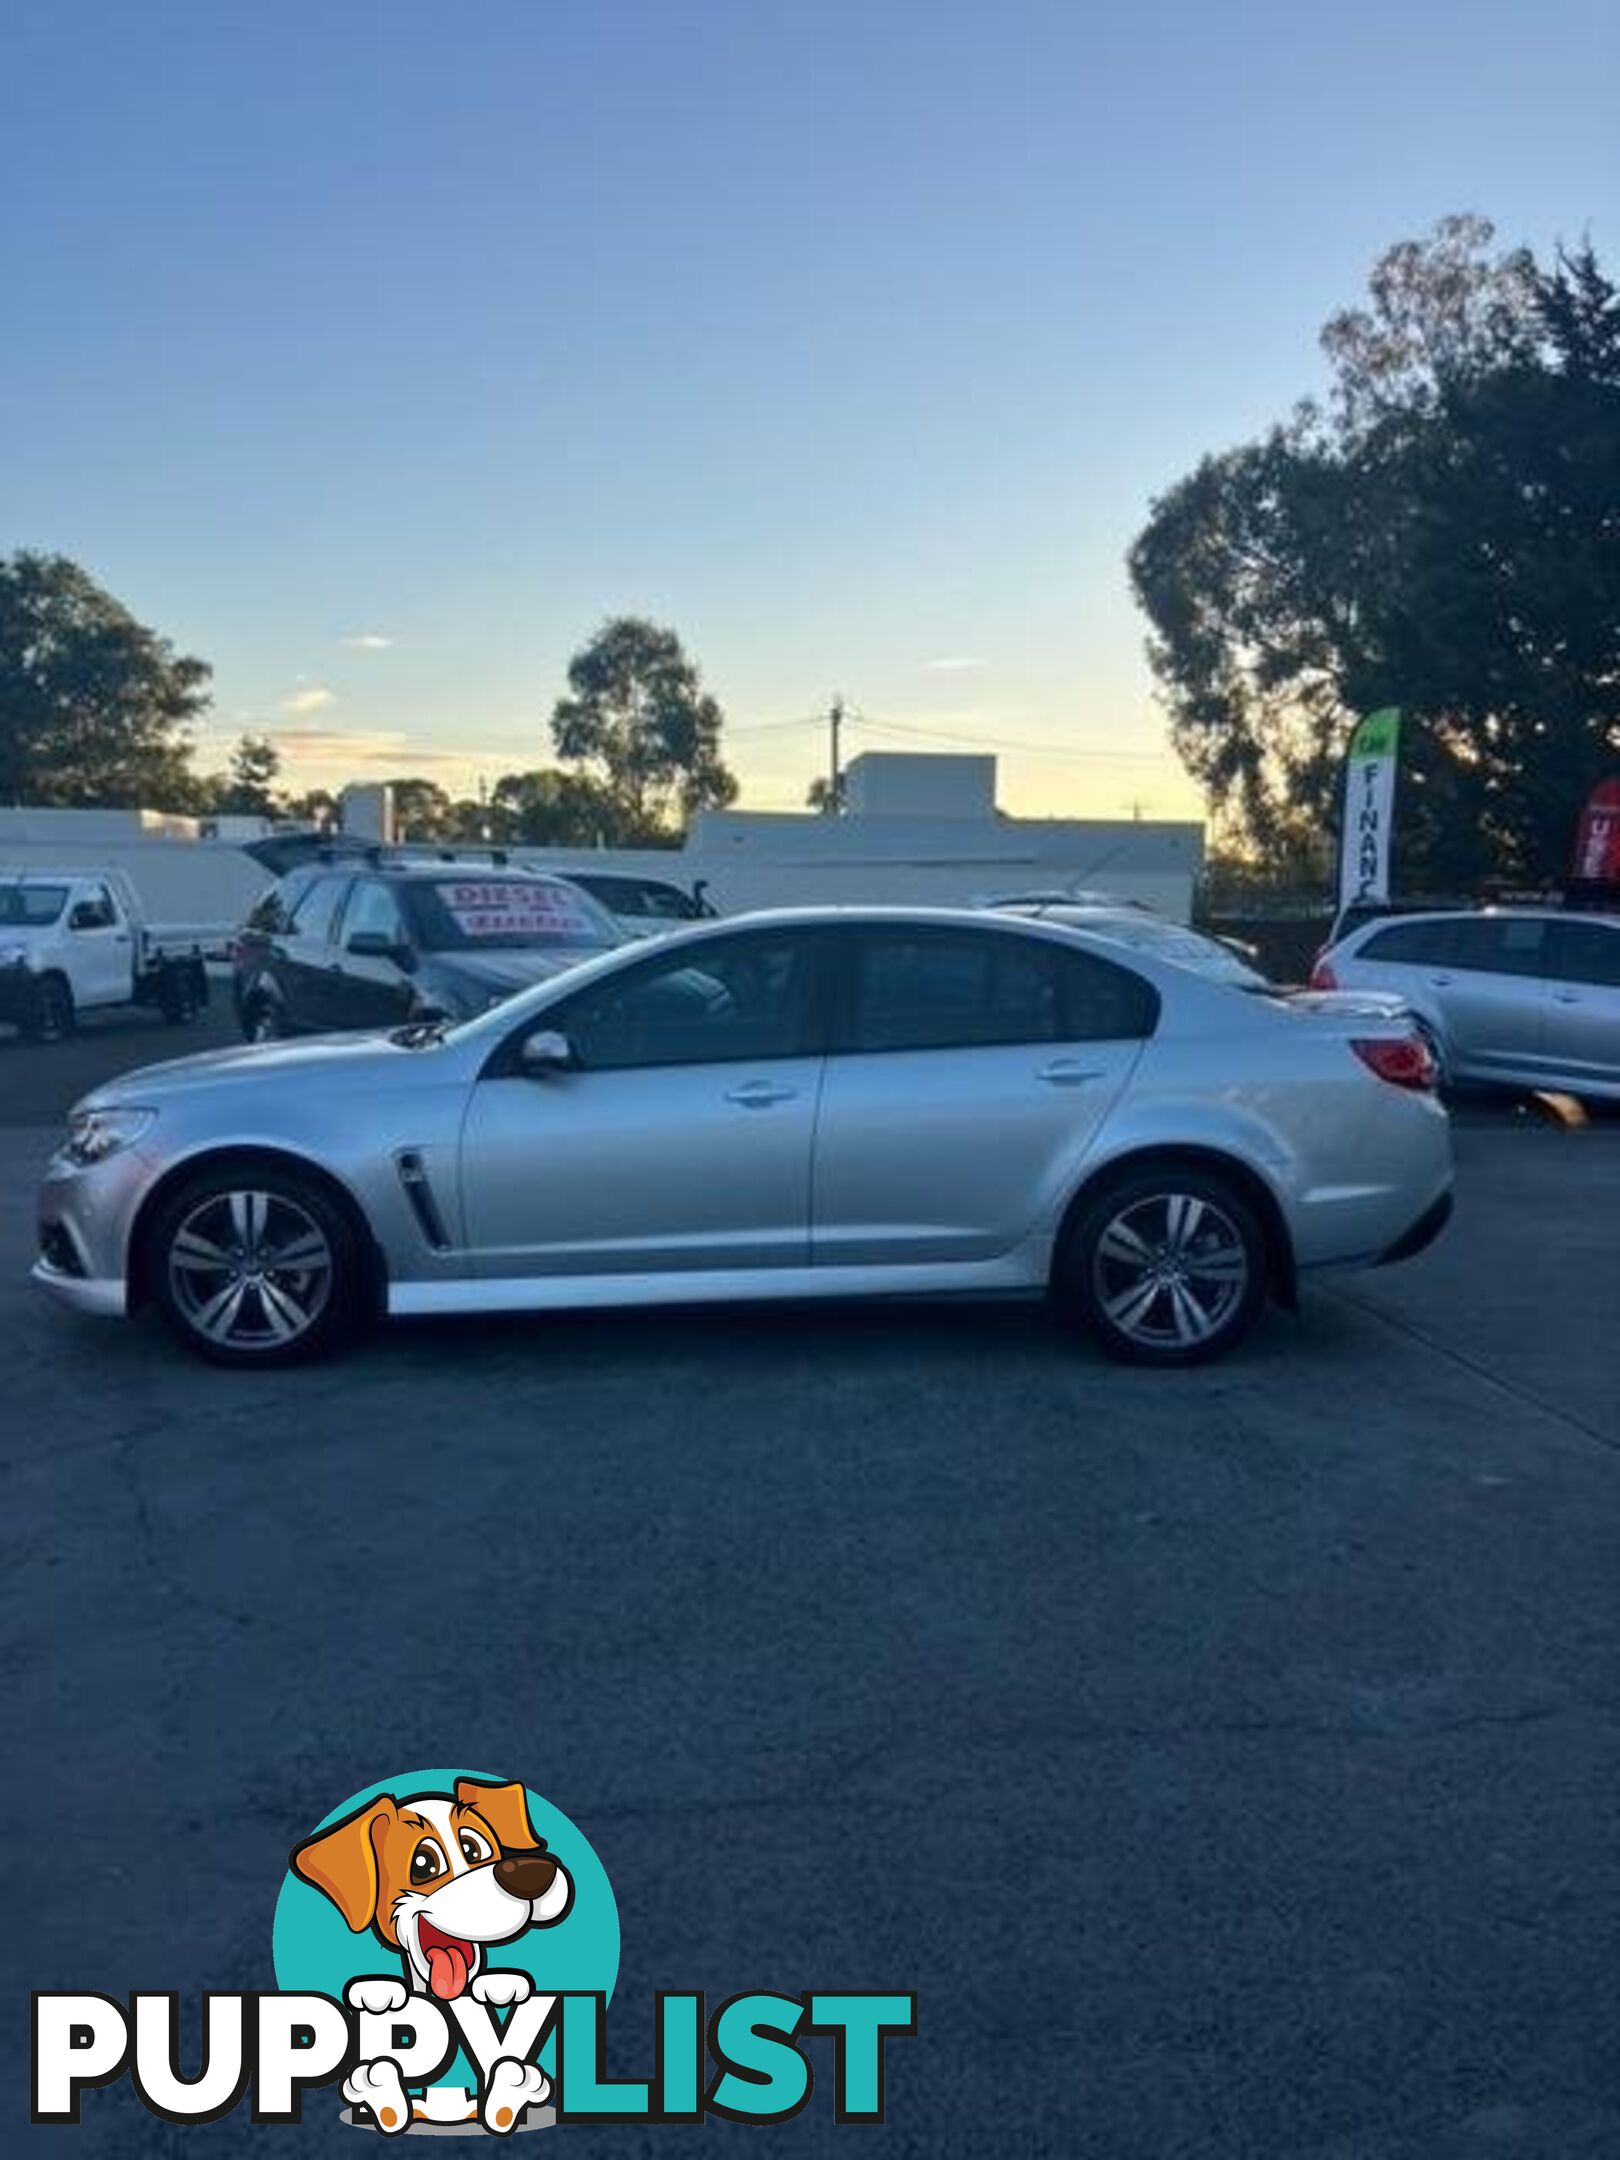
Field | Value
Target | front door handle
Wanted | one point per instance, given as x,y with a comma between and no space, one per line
1441,982
1067,1072
1566,997
760,1094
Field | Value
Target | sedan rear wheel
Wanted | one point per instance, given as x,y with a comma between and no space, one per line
256,1267
1167,1267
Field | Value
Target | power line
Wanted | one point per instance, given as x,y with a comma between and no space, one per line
998,742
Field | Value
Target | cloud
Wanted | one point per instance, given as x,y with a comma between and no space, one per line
369,641
310,700
953,664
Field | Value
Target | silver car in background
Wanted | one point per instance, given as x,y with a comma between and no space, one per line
800,1104
1514,997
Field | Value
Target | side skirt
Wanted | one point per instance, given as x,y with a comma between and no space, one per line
1024,1270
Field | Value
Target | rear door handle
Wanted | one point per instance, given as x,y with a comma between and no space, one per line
1067,1072
1441,982
760,1094
1566,997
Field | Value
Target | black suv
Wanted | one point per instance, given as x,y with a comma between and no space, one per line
374,942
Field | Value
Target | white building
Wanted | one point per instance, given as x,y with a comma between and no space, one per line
915,828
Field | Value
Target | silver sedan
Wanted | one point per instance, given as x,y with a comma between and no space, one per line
803,1104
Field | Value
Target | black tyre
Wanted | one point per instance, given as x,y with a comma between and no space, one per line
1167,1266
257,1266
52,1018
261,1021
179,1003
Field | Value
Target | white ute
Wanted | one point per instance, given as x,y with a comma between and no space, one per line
75,941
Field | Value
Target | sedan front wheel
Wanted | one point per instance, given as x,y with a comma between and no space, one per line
256,1267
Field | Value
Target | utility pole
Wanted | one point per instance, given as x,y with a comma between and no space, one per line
835,777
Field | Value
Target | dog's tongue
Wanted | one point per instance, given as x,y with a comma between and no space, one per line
447,1970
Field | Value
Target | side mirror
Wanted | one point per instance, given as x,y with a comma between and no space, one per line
547,1050
85,916
376,945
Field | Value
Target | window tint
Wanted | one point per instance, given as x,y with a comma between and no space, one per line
1499,944
374,910
739,998
1589,952
1415,943
313,911
928,989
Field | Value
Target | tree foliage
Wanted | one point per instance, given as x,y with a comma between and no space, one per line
1443,535
639,720
94,707
249,786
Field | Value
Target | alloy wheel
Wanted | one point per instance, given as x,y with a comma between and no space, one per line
1170,1270
250,1270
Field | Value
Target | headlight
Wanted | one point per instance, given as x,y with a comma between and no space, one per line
93,1135
13,955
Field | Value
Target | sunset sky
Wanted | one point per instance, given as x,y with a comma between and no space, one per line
377,352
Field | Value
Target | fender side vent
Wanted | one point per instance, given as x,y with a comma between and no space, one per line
413,1176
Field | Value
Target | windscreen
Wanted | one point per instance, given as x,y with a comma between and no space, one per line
30,907
457,914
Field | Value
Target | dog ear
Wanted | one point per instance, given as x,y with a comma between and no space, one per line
342,1862
505,1808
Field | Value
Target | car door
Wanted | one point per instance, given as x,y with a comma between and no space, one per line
1583,1006
968,1072
680,1138
306,962
1492,987
371,988
101,948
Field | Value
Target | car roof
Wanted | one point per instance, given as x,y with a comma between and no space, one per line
439,866
1478,914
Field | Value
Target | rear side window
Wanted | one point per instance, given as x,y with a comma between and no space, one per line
1589,952
314,910
1499,944
1415,943
925,989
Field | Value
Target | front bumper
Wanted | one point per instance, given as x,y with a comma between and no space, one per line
86,1214
106,1297
19,993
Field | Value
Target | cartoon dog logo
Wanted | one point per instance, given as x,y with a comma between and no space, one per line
438,1878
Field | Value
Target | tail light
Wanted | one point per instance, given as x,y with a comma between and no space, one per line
1403,1060
1322,975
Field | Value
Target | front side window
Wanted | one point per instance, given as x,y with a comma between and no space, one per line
925,989
1589,952
374,912
737,999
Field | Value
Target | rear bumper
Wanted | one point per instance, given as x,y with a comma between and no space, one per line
1421,1233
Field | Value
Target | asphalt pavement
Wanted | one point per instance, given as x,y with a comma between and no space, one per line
1228,1760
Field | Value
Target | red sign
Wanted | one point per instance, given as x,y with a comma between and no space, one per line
1597,836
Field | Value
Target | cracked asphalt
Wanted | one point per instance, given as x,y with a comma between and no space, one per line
1228,1760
